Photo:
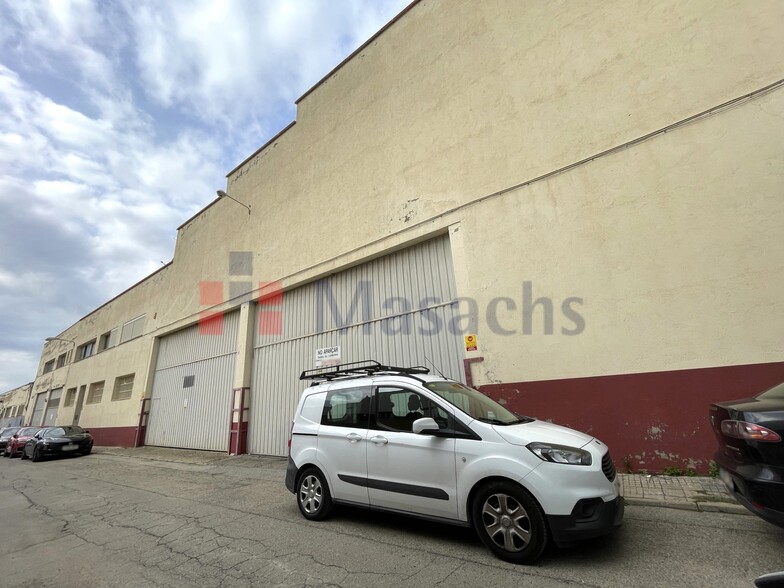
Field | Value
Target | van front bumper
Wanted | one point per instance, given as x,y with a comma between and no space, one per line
591,517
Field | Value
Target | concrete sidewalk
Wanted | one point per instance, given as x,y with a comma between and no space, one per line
683,492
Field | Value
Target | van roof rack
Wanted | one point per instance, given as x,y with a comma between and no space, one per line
357,369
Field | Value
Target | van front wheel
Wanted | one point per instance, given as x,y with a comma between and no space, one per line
510,522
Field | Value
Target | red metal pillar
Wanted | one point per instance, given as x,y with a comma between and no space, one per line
467,369
238,427
141,427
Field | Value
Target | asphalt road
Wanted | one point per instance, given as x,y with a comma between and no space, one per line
106,520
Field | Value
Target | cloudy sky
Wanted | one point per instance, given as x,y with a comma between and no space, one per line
120,119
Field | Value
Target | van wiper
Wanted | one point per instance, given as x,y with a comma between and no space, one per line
505,423
491,421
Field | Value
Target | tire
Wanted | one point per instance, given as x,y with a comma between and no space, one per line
23,455
313,498
87,451
36,455
509,522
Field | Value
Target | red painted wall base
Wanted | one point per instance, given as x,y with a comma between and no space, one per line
651,420
113,436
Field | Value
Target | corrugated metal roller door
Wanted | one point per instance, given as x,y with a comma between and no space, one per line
52,407
403,307
191,395
38,410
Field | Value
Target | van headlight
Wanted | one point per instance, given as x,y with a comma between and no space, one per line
560,454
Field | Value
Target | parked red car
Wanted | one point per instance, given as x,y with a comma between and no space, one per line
16,443
5,435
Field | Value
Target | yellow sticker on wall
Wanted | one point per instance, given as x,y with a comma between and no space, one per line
470,342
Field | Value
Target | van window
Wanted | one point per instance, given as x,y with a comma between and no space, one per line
347,407
398,408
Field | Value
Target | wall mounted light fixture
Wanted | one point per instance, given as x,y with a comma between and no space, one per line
222,194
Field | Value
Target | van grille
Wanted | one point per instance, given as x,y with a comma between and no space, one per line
608,467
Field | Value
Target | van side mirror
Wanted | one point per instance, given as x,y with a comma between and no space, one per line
424,426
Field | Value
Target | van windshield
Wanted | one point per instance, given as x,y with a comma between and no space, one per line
475,404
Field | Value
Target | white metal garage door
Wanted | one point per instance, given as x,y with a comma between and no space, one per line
191,393
52,407
38,410
404,308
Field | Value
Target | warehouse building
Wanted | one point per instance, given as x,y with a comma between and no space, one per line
13,404
573,206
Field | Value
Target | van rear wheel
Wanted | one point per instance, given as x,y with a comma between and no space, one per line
313,498
510,522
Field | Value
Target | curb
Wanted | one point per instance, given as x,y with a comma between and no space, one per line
724,507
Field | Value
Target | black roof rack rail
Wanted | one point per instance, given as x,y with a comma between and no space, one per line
358,369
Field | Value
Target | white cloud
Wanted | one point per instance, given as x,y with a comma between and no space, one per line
20,367
221,61
119,122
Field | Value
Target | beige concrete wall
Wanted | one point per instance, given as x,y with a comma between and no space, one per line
131,357
673,247
15,399
459,99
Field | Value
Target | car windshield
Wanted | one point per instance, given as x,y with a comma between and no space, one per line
56,432
774,393
28,431
9,431
475,404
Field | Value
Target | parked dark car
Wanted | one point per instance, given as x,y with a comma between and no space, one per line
66,440
751,451
18,439
5,435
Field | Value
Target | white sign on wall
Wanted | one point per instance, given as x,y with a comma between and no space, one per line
328,356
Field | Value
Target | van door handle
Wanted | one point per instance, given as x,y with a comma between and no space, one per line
379,440
354,437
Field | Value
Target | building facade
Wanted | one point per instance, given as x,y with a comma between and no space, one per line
13,404
572,206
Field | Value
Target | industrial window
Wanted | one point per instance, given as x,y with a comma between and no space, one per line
70,397
188,381
123,387
61,360
108,339
132,329
48,366
95,394
86,350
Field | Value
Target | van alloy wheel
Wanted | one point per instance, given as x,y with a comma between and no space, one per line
506,522
510,522
313,496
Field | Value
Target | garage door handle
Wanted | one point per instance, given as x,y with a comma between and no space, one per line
379,440
354,437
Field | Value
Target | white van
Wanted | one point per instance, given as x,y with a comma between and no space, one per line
404,441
